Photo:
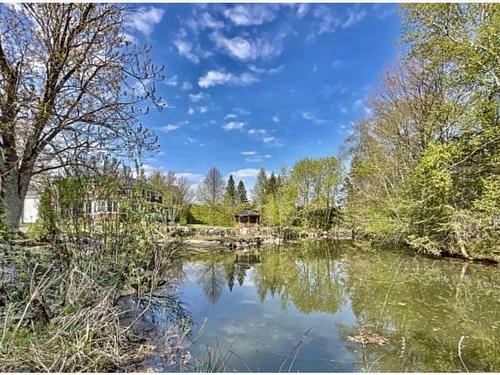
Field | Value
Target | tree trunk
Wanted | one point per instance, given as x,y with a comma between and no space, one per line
13,190
12,199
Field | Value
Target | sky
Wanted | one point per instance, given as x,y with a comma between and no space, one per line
261,85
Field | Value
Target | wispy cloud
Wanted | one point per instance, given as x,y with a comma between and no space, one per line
185,49
198,97
186,85
264,136
233,125
171,81
190,176
170,127
328,21
145,19
245,172
276,119
217,77
246,49
246,15
248,153
309,116
202,22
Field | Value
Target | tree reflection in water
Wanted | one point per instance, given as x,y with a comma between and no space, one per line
429,310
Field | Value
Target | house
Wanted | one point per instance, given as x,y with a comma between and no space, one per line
247,218
30,207
98,208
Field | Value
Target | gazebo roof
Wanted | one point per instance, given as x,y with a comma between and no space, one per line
247,212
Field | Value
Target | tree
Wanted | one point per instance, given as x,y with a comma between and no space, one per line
72,85
211,191
317,183
230,197
272,185
424,165
259,189
241,193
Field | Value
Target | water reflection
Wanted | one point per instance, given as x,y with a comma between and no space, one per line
261,303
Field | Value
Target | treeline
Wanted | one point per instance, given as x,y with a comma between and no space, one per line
425,165
307,196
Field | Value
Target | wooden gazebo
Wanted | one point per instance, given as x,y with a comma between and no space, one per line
247,218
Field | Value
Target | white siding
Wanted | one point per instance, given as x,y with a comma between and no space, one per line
30,210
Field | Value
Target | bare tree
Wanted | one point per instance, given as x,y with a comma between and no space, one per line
211,190
184,186
72,86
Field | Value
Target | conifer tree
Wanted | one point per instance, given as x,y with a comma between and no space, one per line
241,193
230,197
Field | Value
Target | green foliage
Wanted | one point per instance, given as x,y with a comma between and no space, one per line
425,167
45,228
217,215
230,197
241,193
260,188
5,230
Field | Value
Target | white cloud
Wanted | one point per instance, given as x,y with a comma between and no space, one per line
185,49
191,111
245,172
233,125
186,85
243,49
241,111
329,22
172,81
229,116
302,10
312,117
276,119
203,21
194,177
245,15
203,109
257,131
268,139
215,77
248,153
144,19
197,97
353,18
170,127
259,70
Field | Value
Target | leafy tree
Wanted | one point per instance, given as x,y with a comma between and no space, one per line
424,165
260,188
71,86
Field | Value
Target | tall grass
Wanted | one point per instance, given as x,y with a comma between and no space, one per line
61,315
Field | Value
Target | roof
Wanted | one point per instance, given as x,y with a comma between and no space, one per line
247,213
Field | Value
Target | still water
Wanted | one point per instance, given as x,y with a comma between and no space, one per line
329,306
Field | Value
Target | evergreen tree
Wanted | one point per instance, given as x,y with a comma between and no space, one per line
272,185
260,188
241,193
230,197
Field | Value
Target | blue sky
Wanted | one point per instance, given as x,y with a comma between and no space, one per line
256,85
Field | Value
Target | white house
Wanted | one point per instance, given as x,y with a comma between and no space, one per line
30,207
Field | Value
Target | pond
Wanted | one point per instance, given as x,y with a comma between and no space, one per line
333,306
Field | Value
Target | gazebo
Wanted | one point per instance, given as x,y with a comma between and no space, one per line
247,218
